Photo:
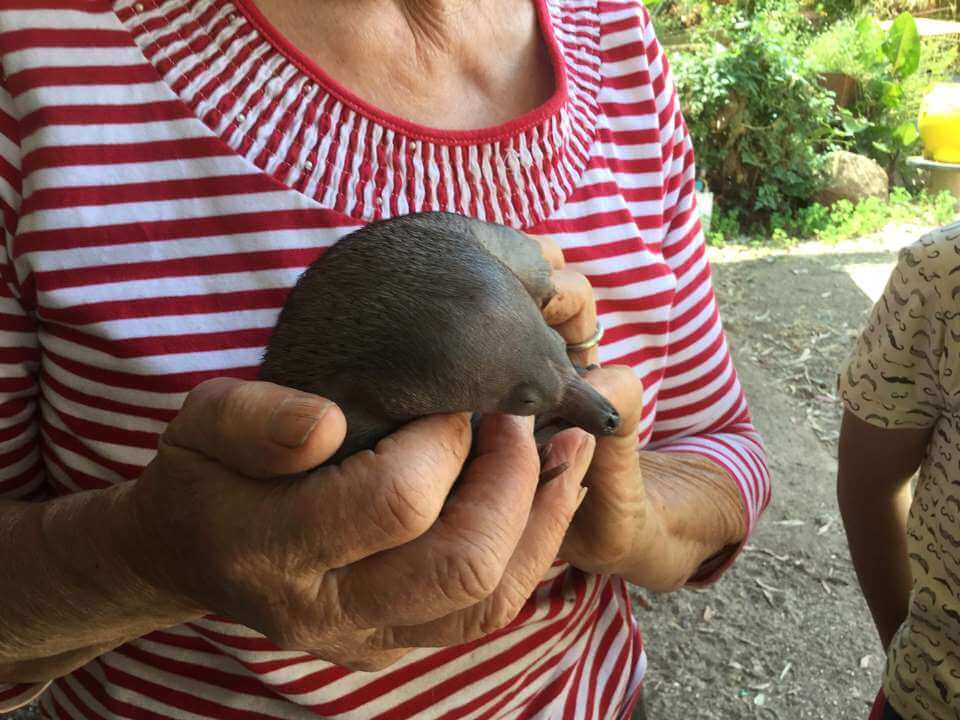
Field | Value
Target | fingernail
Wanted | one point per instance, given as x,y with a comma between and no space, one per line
295,418
585,450
545,451
580,496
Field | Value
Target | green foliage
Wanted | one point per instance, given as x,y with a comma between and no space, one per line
841,221
748,74
760,122
894,71
844,219
888,132
850,46
832,9
724,227
902,46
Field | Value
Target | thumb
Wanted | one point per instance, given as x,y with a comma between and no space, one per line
257,429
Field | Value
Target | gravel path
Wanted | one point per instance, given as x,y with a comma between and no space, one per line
786,633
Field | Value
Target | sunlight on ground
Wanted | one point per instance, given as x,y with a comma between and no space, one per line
871,278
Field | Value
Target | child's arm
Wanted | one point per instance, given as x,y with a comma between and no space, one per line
896,386
873,487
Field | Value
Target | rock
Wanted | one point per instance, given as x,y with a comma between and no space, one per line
852,177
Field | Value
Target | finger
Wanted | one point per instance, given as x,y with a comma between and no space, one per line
361,654
585,358
574,295
551,251
257,429
573,313
603,528
381,498
624,389
553,509
461,559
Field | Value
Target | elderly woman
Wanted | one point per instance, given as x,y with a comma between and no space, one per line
168,169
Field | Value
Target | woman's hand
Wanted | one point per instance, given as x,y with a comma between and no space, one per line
572,311
353,563
615,526
655,518
613,522
358,562
613,529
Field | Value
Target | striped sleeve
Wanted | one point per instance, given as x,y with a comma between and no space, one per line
21,473
701,407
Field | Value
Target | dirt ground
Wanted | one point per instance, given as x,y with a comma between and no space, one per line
785,634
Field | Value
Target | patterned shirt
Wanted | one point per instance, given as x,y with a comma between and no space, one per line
167,170
905,373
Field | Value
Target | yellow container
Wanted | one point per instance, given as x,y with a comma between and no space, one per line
939,123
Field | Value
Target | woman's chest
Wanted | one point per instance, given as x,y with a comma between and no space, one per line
142,289
172,269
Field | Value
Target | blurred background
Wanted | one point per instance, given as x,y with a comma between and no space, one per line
827,137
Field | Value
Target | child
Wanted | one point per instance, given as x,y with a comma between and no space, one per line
901,394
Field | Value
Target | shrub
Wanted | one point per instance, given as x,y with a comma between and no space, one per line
760,122
845,48
894,70
844,219
840,221
724,227
748,76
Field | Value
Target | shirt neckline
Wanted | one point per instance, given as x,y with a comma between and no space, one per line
422,132
282,113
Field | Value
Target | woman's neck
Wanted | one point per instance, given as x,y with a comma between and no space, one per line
435,24
455,64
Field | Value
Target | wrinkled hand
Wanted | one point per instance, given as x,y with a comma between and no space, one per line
657,519
612,520
572,311
356,563
611,530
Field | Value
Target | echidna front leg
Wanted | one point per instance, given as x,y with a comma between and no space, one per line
544,449
551,472
521,254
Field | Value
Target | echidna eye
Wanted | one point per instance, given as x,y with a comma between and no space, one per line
525,399
526,395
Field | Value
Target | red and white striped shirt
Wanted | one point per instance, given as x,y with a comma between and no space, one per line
167,170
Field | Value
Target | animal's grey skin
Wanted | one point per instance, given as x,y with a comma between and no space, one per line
515,250
414,315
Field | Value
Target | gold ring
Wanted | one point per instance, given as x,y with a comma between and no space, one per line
589,343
